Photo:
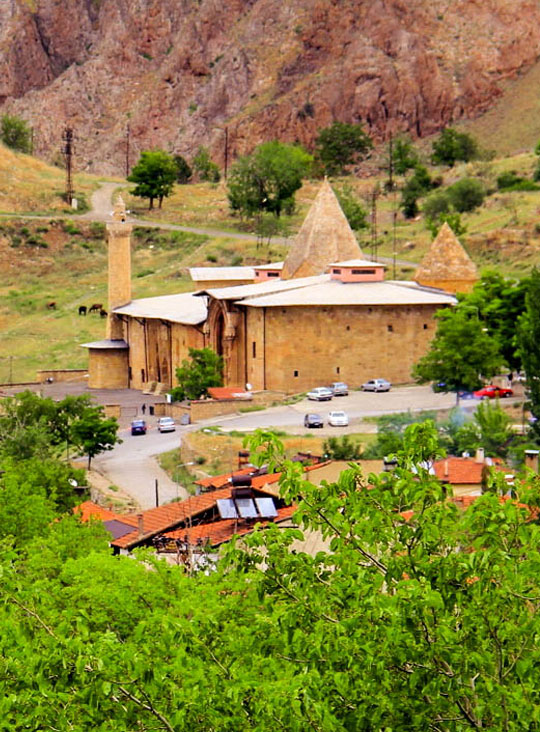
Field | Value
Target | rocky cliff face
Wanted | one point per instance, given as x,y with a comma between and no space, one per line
177,72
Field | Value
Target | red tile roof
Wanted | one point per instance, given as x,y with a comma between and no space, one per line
459,470
88,510
228,392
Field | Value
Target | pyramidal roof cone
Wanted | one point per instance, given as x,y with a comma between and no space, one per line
325,237
446,264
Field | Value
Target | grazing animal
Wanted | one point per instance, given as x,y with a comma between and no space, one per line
95,308
103,313
82,309
51,306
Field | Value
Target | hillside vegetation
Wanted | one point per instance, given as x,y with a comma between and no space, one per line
50,259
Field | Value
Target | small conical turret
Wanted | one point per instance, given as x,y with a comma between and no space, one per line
447,265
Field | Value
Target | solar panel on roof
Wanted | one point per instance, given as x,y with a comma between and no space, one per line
246,508
266,506
226,508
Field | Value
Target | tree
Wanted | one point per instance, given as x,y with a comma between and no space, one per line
94,433
154,174
205,166
404,156
452,146
15,133
353,209
341,448
529,346
183,169
203,370
461,353
466,194
415,187
267,179
453,219
413,615
341,145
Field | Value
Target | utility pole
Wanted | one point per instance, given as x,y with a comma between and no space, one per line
128,132
374,196
157,492
226,152
11,369
391,163
67,149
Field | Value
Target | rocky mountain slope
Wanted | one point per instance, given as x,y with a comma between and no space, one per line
179,71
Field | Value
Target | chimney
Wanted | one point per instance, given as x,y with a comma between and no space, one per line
479,457
531,460
140,525
243,458
446,468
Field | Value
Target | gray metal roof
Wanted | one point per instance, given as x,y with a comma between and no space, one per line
333,292
263,288
184,308
221,273
106,344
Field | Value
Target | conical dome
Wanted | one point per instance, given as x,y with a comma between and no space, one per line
325,237
447,265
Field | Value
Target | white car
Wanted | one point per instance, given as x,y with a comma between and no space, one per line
320,394
166,424
338,419
376,385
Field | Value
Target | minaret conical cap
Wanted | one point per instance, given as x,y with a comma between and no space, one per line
324,237
446,260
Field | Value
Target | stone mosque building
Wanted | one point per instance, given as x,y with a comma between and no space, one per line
324,314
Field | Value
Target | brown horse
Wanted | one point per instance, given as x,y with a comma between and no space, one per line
95,308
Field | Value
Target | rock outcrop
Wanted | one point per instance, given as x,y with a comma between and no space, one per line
177,72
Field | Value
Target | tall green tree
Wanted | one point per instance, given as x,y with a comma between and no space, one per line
267,179
340,146
202,370
183,169
15,133
404,155
94,433
355,212
452,146
461,353
155,175
529,346
205,166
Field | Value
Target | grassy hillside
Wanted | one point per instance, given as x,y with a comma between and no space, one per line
46,259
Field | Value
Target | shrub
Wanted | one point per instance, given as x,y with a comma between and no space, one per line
452,146
467,194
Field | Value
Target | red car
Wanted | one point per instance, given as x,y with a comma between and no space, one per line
493,392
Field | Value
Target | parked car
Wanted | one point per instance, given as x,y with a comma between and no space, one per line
320,394
138,427
166,424
338,419
493,392
313,420
339,388
376,385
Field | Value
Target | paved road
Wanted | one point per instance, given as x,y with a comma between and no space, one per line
133,467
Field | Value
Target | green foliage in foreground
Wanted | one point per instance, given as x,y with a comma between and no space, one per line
202,370
15,133
424,621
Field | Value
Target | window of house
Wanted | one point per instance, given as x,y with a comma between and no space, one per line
390,328
337,369
254,349
296,373
348,327
273,274
425,326
336,271
363,271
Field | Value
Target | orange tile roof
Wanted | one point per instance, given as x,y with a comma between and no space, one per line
218,481
88,510
228,392
219,532
456,470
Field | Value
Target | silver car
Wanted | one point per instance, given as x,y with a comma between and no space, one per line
376,385
166,424
339,388
320,394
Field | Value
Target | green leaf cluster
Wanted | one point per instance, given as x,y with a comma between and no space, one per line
155,174
267,180
340,146
202,370
452,146
205,167
15,133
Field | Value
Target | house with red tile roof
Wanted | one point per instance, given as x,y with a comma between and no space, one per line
466,474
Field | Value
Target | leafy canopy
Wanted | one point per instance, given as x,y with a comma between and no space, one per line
183,169
155,175
529,346
340,146
15,133
354,211
452,146
267,179
205,166
413,615
203,369
461,353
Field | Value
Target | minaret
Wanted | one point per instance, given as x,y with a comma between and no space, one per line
119,244
446,265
